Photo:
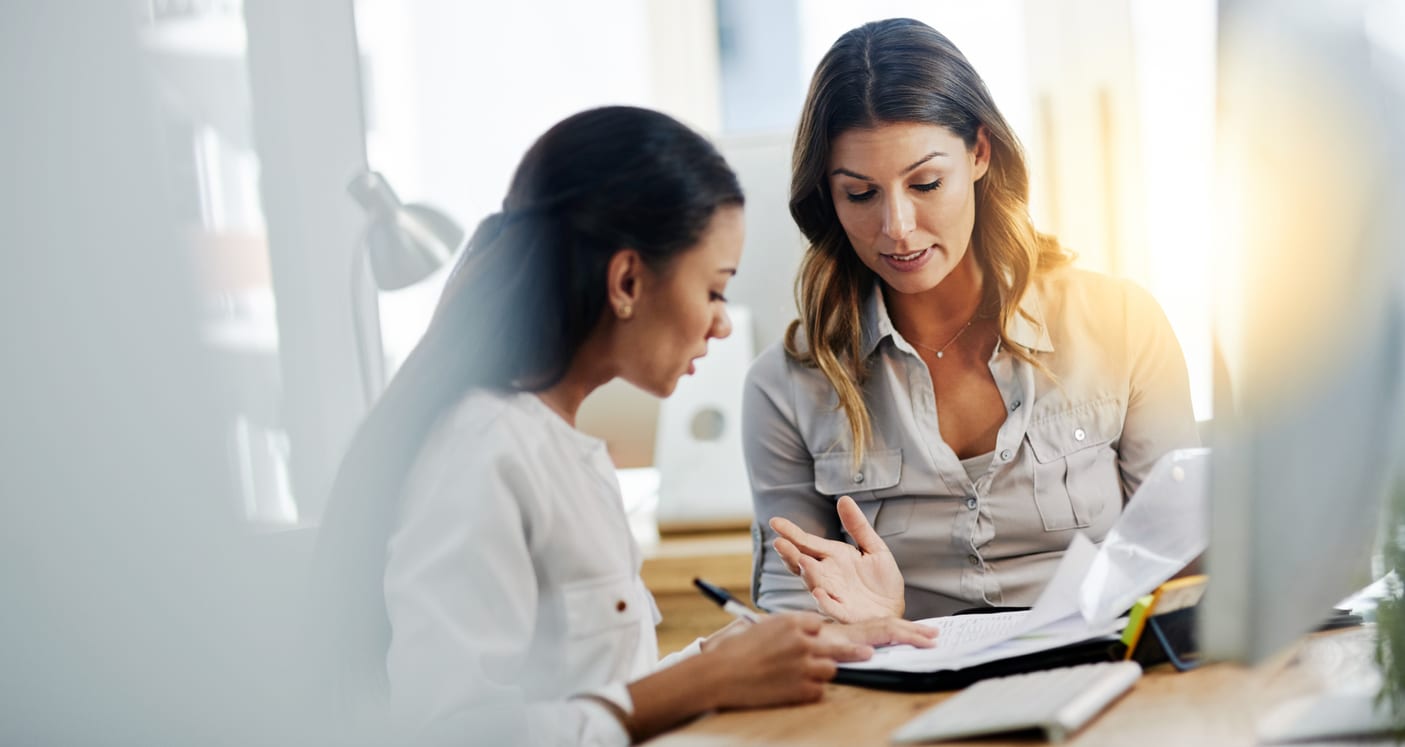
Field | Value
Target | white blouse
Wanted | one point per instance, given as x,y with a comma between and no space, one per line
512,582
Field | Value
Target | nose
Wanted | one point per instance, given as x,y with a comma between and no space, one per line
898,217
721,325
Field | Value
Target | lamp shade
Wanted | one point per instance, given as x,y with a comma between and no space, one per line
406,243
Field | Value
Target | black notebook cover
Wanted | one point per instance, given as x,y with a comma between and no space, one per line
1103,648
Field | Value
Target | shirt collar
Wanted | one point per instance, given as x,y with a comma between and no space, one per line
1030,333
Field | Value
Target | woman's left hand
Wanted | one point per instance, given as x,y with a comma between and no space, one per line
849,584
888,631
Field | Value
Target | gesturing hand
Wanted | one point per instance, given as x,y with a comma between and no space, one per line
849,584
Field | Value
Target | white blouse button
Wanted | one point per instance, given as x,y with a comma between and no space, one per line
1005,455
1079,434
858,478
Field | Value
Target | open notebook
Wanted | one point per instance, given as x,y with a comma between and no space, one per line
1159,533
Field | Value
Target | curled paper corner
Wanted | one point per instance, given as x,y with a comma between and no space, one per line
1162,529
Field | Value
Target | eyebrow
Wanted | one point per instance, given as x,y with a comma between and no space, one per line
904,172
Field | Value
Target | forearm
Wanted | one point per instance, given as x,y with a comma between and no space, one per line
670,696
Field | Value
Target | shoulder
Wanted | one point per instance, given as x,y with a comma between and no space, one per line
771,366
1073,295
479,411
776,371
482,429
1075,282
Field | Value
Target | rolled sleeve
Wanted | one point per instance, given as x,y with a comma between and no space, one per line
782,475
1159,416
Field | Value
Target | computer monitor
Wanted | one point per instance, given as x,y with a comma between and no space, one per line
1308,314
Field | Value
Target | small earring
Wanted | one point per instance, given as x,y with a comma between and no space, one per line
625,310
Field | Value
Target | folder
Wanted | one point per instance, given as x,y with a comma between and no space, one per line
1107,647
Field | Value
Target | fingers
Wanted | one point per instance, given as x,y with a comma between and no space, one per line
828,605
895,631
843,651
790,555
808,622
822,669
810,570
809,544
856,524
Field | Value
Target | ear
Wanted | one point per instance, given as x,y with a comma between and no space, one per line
980,154
623,278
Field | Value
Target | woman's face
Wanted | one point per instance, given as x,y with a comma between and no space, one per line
905,194
681,308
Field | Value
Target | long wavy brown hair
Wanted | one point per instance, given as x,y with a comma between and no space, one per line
900,70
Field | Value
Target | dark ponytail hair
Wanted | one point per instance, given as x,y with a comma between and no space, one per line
528,289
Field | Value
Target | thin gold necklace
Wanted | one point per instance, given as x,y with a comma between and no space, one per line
942,350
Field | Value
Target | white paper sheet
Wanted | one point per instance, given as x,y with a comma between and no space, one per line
1054,620
1160,532
1162,529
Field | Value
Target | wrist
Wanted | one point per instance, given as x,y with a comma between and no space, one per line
711,674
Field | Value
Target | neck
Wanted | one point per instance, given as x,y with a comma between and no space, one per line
587,372
933,316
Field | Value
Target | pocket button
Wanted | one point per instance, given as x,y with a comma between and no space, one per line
858,478
1079,434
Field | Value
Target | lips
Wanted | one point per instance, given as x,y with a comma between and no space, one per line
909,261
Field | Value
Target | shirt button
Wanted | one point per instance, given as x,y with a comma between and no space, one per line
1015,406
973,560
858,478
621,606
1079,434
971,503
1005,455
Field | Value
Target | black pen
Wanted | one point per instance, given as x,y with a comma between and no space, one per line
726,601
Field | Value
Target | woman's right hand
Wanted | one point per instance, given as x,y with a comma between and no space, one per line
782,659
849,584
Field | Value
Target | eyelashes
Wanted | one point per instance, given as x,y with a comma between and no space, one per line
866,196
717,297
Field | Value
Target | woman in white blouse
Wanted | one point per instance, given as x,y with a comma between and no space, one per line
476,541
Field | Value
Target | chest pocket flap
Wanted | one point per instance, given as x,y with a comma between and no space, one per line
1082,427
597,605
835,473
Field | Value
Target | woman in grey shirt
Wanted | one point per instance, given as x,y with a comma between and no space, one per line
978,399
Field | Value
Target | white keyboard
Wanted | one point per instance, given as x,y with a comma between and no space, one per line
1057,701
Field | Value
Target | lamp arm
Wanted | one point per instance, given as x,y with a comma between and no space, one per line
372,366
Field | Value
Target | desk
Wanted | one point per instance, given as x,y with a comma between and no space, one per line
1218,704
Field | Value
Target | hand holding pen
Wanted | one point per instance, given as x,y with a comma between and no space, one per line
861,637
726,601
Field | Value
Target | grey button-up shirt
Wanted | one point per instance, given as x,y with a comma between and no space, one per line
1072,449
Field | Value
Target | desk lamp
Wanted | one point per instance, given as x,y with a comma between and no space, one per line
405,244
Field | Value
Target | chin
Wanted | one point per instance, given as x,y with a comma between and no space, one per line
907,284
662,389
